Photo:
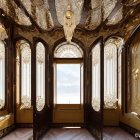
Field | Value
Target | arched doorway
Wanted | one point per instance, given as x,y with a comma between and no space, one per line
68,84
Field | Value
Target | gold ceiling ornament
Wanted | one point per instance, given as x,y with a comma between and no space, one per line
69,24
3,34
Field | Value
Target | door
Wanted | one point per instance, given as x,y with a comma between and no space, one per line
68,84
96,78
68,92
41,110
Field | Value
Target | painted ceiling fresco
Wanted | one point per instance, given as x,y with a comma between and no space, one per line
44,13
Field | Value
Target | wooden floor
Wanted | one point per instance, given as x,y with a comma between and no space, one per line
110,133
68,134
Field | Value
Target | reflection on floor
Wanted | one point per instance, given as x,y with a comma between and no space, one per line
116,133
68,134
19,134
110,133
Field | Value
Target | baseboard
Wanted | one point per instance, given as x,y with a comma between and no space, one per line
7,130
129,129
24,125
59,125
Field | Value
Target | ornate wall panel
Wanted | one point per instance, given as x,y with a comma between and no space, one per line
135,74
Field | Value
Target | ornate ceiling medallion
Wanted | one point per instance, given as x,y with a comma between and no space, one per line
69,15
69,24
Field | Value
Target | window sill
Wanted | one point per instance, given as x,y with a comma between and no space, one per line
21,108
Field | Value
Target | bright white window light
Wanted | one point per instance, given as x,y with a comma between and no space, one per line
2,75
68,83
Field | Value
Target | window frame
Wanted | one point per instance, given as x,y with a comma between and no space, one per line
68,61
119,42
18,51
46,75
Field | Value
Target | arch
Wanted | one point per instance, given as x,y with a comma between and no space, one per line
74,40
134,32
65,50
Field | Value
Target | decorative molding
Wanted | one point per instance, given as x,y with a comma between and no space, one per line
24,125
65,50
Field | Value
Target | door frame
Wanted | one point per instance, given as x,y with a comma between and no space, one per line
83,48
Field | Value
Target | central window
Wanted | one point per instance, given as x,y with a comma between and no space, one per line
68,74
68,83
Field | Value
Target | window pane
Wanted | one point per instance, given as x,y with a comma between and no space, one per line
25,75
68,83
65,50
96,77
110,75
2,75
40,76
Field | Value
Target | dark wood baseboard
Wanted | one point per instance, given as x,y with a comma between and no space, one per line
7,130
24,125
128,128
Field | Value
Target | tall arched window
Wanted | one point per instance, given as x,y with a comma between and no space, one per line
68,68
2,74
24,73
40,76
110,71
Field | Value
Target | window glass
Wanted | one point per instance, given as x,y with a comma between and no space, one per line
96,77
2,75
68,83
40,76
24,73
110,75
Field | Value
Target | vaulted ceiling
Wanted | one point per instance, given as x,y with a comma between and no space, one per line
49,14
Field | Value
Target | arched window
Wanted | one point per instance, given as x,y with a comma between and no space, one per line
110,71
24,73
68,51
68,68
96,77
133,95
40,76
2,74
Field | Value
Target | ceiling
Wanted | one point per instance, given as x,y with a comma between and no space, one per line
49,14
